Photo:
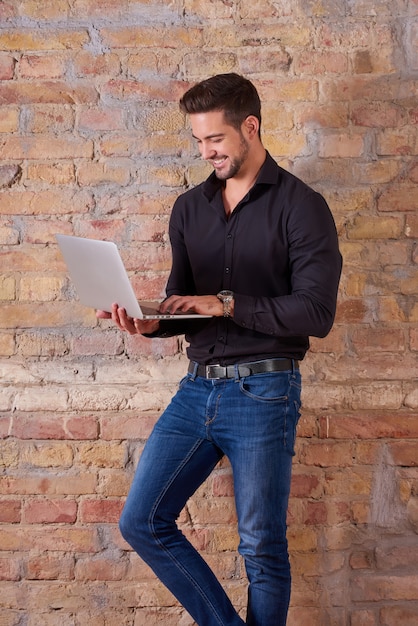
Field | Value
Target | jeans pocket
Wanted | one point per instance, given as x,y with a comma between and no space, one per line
184,380
266,387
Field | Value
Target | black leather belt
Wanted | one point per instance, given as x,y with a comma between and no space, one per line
244,369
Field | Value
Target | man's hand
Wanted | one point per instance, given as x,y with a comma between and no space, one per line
205,305
133,326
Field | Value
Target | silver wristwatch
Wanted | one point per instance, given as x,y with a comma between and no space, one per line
226,298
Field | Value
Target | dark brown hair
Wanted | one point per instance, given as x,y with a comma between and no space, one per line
231,93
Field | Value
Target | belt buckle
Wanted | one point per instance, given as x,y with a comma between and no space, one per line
210,368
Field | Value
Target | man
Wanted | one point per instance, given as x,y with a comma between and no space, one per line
255,248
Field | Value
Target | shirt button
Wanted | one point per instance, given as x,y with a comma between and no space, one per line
227,270
229,236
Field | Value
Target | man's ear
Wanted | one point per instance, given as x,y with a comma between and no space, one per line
251,125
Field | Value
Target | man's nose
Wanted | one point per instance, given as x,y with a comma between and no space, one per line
206,152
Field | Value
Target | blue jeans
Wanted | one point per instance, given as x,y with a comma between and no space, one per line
253,422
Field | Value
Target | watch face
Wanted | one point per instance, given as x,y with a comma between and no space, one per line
225,294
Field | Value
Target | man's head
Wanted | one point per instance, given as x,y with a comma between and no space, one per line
232,94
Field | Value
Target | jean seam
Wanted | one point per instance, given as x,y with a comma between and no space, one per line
162,545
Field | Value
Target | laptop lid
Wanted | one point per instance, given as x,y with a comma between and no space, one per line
100,278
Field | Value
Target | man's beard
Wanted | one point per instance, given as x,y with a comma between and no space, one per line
237,163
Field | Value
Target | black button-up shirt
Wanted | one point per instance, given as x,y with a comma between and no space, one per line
278,252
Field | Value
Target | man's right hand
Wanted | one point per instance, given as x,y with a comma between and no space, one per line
133,326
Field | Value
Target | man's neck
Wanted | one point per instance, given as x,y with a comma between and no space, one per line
237,187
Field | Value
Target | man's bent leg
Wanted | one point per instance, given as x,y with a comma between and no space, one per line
174,463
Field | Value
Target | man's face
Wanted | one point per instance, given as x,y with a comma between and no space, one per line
222,145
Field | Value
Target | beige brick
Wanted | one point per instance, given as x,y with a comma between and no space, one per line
36,288
47,455
367,227
48,202
7,344
157,37
109,172
45,119
59,173
341,145
9,120
102,454
149,60
59,9
38,399
7,288
285,144
35,39
46,148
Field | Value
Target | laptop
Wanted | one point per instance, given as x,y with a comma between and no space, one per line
100,278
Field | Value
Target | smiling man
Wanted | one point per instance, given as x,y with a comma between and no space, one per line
255,248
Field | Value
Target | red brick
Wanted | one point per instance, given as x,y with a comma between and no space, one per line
329,454
8,9
376,588
363,559
106,569
92,119
370,339
41,66
100,342
399,198
403,555
100,511
320,63
45,511
397,616
223,485
10,569
50,567
306,485
376,425
46,92
10,511
53,426
87,63
380,114
404,453
46,483
315,513
363,617
7,65
126,426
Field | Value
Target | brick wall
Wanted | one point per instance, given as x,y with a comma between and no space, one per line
92,144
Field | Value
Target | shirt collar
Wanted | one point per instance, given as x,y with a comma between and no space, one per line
269,175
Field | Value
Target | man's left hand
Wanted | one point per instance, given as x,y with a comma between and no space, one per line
205,305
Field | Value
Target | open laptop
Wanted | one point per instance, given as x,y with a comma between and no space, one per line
100,278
